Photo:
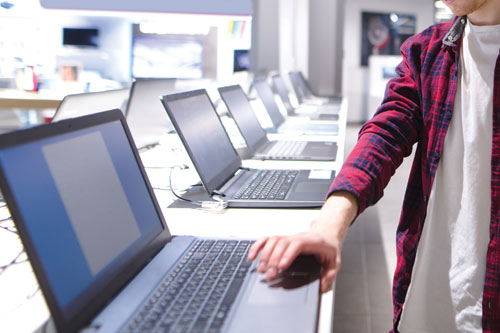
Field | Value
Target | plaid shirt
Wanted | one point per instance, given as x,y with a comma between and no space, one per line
417,108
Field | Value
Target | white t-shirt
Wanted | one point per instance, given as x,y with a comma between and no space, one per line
445,293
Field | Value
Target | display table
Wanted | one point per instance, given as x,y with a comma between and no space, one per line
18,99
22,306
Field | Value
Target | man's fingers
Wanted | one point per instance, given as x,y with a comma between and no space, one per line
278,253
306,244
266,253
254,250
292,251
273,264
327,279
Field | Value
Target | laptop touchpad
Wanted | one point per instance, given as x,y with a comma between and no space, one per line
290,287
264,292
311,187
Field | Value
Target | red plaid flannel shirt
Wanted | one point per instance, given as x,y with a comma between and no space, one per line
417,108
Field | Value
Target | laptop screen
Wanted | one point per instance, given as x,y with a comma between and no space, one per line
85,206
298,86
204,137
266,95
240,109
282,91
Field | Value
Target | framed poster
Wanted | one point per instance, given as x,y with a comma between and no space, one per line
383,33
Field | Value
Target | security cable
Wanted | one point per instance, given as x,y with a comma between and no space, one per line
218,204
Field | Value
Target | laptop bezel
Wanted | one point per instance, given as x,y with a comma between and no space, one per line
216,182
299,93
282,91
100,298
262,88
263,140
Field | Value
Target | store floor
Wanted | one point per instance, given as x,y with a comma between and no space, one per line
363,301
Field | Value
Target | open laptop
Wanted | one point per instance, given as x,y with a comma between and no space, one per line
219,165
291,125
103,254
320,112
76,105
255,136
304,93
145,114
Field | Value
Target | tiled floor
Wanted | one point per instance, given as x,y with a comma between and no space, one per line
363,287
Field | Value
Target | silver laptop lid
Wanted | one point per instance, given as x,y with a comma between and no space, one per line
145,114
76,105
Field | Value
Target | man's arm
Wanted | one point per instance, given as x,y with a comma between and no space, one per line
323,240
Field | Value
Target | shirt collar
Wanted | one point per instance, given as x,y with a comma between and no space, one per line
456,31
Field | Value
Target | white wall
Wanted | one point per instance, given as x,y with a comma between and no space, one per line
280,36
264,56
294,35
355,78
325,46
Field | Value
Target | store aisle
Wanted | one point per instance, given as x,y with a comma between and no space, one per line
363,300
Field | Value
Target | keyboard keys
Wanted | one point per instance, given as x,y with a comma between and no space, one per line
286,149
197,296
268,185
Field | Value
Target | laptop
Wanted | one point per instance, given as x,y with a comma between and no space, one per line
304,93
76,105
219,165
290,125
258,145
102,252
321,112
145,113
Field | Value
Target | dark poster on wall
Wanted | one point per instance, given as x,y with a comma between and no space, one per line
383,33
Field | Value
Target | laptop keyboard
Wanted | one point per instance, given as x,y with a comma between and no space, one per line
198,294
268,185
287,148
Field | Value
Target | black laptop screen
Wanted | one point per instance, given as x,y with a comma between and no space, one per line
266,95
240,109
298,86
282,91
85,206
204,137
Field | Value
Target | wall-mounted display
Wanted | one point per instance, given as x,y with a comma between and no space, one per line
384,33
182,56
86,37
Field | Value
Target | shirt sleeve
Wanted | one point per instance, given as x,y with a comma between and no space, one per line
386,139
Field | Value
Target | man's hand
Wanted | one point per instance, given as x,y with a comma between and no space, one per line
279,252
323,240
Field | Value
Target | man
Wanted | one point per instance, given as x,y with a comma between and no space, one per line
446,99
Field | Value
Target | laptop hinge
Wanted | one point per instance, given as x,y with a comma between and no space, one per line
238,174
90,329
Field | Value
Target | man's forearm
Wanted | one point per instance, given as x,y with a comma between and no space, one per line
337,213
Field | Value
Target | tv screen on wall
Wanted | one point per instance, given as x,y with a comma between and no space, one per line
88,37
241,60
164,56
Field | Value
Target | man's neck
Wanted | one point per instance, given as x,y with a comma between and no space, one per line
487,14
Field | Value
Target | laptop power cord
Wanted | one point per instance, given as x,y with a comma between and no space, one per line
216,205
